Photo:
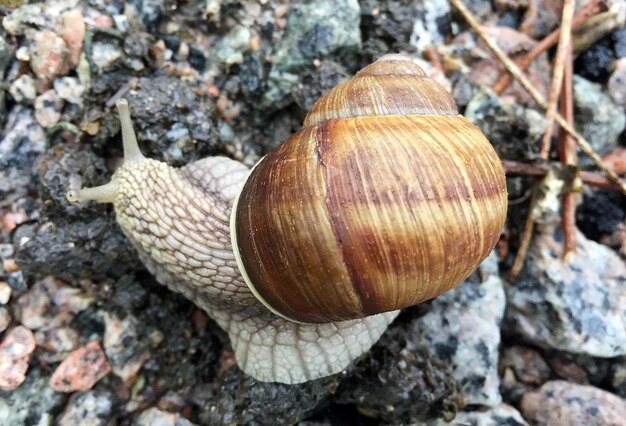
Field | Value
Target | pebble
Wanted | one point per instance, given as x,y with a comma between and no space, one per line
50,303
500,415
618,376
575,306
93,408
427,30
24,18
463,329
599,119
318,30
15,352
154,416
23,89
123,349
82,369
564,403
617,82
72,30
49,56
5,292
231,48
70,89
521,369
48,108
57,343
5,318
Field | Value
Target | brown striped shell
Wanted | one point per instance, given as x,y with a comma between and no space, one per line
387,197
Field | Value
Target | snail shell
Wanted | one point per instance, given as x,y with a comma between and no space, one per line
387,197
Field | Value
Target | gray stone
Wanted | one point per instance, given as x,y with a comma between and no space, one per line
20,147
463,329
154,416
93,408
325,29
512,129
499,415
598,118
427,30
575,306
32,403
564,403
231,48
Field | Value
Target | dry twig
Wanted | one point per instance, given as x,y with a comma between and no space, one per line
534,93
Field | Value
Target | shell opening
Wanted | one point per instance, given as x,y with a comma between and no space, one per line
239,260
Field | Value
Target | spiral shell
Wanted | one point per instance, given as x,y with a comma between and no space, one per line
387,197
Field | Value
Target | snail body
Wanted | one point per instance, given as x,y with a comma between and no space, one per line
385,198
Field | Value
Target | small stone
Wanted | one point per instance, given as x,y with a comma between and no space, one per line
123,349
521,368
618,376
15,352
564,403
598,118
57,343
72,30
48,108
49,56
5,318
325,29
154,416
10,265
50,303
428,29
81,369
231,48
23,18
463,329
5,292
575,306
93,408
105,53
23,89
500,415
617,82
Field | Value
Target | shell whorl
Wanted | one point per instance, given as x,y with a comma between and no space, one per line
393,85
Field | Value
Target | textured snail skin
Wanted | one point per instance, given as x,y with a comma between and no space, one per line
178,220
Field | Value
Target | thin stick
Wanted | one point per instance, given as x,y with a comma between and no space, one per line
550,40
517,168
557,76
568,156
534,93
527,234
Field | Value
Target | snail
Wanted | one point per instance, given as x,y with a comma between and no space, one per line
385,198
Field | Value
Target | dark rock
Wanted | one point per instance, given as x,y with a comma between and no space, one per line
597,117
315,30
34,402
92,408
595,63
171,122
560,402
512,130
236,398
251,75
521,369
600,213
22,143
316,82
575,305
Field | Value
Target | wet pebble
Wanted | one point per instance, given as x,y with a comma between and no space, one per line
576,305
15,352
500,415
49,56
5,318
154,416
597,117
564,403
122,346
463,329
48,108
82,369
617,82
93,408
23,89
